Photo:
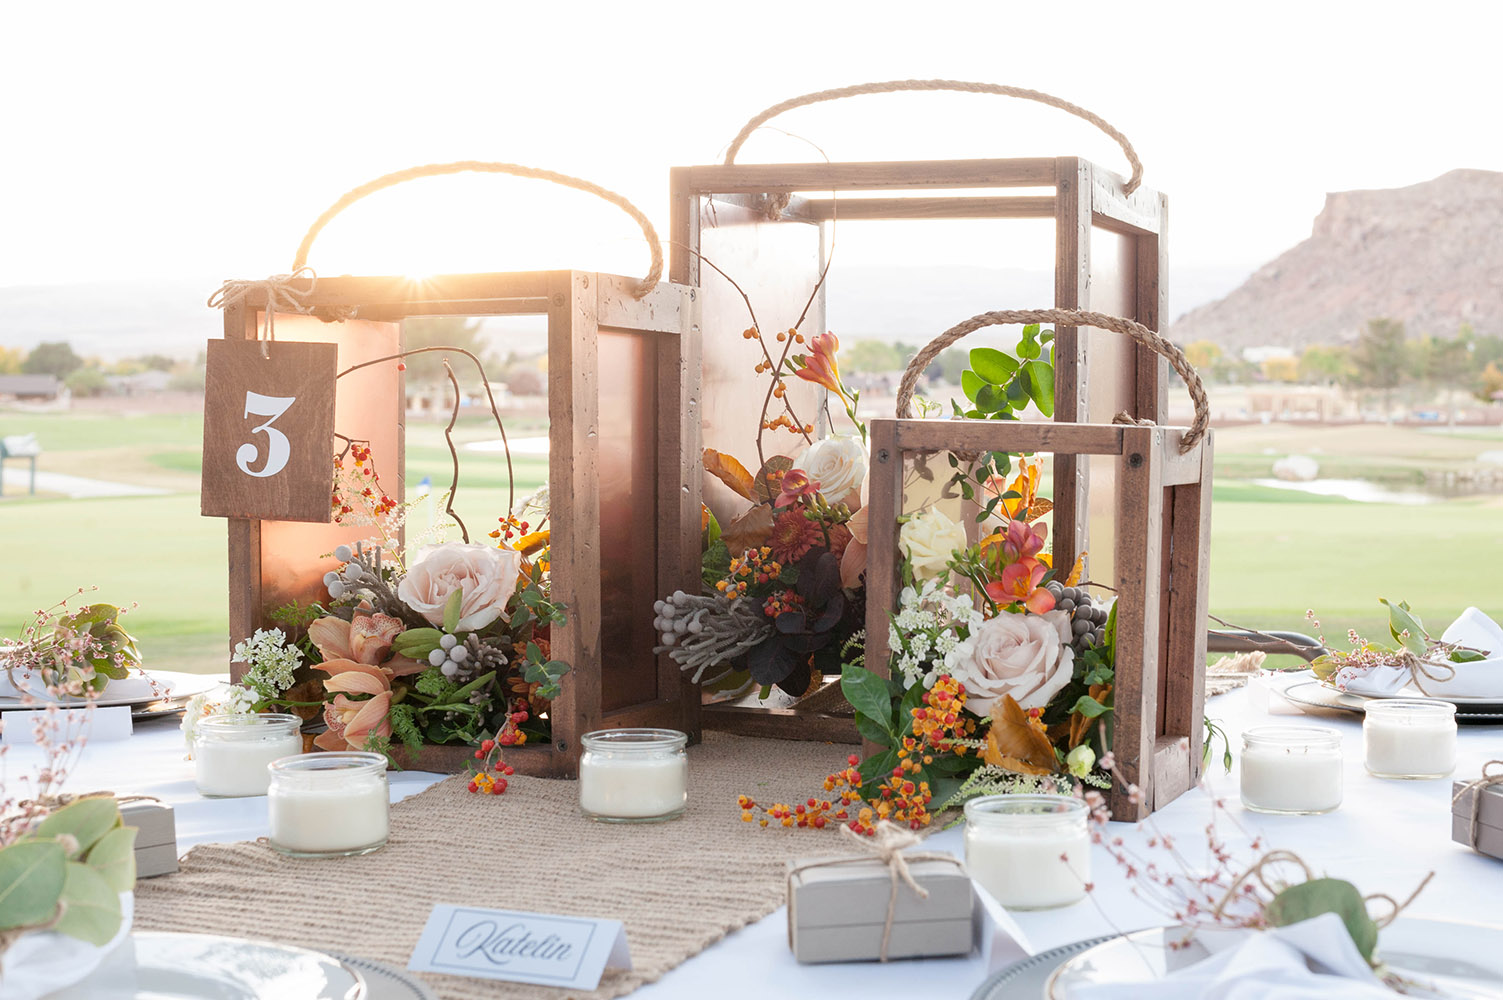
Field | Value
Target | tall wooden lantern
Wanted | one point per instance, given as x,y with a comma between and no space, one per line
623,477
1159,576
769,225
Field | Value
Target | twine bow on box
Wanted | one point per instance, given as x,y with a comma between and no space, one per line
1477,789
886,846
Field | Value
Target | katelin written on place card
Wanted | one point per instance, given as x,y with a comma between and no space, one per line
520,947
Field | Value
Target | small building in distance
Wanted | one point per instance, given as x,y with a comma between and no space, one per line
33,389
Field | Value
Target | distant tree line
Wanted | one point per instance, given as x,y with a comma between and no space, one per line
90,376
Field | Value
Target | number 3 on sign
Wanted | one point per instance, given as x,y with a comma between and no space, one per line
278,449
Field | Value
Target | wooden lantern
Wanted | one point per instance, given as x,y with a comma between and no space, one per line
768,225
624,431
1159,566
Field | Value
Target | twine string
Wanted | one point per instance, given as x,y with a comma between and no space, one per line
776,203
280,294
1477,789
1068,317
886,846
1420,670
655,245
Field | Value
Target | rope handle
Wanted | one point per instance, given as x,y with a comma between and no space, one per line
893,86
648,283
1066,317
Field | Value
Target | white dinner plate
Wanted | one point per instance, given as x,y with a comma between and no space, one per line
1457,959
136,690
156,966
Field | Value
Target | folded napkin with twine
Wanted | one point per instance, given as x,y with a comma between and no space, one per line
1441,678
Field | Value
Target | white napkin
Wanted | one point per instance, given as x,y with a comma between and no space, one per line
43,962
134,686
1311,960
1478,679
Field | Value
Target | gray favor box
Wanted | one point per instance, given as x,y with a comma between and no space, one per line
1489,817
156,836
836,912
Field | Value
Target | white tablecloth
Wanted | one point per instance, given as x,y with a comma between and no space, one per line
1385,837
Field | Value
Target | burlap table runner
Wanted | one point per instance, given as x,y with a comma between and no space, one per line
678,887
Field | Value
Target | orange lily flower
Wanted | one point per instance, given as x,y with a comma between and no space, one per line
819,366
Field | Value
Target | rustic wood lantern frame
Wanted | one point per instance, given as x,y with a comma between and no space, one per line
619,364
1163,515
1110,256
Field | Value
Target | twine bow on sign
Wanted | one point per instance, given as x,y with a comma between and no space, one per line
280,294
1477,789
886,846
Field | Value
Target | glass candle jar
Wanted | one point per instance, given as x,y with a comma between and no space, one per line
1031,852
231,752
1291,769
329,805
1409,738
633,775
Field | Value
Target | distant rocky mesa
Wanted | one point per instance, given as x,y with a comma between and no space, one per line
1430,255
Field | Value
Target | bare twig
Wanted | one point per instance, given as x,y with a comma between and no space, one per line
449,440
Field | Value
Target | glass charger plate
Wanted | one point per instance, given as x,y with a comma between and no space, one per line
161,966
1457,959
1025,980
1317,695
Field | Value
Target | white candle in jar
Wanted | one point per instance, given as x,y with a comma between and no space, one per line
231,752
1288,769
1409,738
633,774
329,804
1031,852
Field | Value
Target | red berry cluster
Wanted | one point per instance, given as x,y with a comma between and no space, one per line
359,485
510,528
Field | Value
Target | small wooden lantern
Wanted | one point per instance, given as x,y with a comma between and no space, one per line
769,226
1161,514
623,472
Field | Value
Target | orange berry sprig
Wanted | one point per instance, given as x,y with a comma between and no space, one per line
751,567
489,776
939,723
816,813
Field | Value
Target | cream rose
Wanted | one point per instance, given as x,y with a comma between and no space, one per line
929,540
1026,656
838,464
488,576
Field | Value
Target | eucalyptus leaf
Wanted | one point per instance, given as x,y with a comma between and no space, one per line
31,881
451,609
1305,900
91,907
992,365
114,857
85,820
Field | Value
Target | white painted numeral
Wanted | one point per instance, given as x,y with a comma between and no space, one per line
278,448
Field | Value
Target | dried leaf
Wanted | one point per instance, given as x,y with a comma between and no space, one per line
1076,571
1014,743
1038,509
770,479
749,531
729,471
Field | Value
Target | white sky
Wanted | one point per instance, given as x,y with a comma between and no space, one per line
156,140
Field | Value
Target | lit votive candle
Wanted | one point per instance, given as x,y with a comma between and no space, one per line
1291,769
1410,738
326,805
633,775
230,752
1031,852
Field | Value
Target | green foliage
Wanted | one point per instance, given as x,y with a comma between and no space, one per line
91,908
452,608
1305,900
872,698
434,684
114,858
1405,627
716,563
1001,385
417,643
1214,732
67,874
85,820
87,383
31,882
52,358
545,674
404,726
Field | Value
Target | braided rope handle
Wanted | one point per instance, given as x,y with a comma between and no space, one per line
1065,317
654,273
893,86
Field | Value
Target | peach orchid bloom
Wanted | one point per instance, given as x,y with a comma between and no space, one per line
365,639
351,722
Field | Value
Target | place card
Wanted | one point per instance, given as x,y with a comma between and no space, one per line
520,947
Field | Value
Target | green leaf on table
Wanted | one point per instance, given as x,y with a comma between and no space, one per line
869,695
1041,385
91,906
1466,655
451,609
85,820
1406,627
417,643
31,880
1326,895
114,857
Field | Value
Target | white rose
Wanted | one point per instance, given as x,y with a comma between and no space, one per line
1026,656
929,541
838,464
488,576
